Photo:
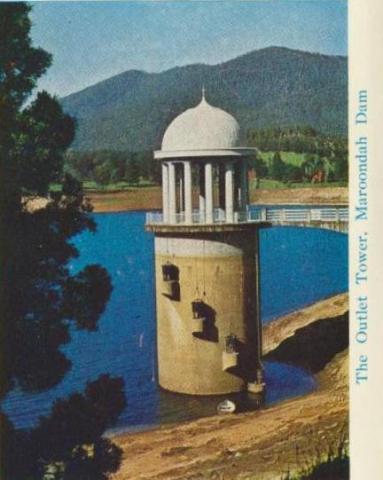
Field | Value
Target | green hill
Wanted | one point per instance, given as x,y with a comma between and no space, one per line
265,88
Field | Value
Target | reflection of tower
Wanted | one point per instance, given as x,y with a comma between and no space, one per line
206,248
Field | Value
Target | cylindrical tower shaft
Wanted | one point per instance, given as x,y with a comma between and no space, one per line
217,350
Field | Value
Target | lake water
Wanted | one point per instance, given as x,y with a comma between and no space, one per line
298,267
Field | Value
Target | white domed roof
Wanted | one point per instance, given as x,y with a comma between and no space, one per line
203,127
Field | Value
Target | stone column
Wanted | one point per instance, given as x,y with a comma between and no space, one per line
244,185
165,192
188,192
201,200
172,192
209,191
221,186
180,188
229,192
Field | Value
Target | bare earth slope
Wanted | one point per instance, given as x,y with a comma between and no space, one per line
150,198
274,333
301,196
263,445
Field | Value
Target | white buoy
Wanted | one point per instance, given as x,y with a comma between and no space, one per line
227,406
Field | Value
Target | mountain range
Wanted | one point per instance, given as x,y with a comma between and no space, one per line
265,88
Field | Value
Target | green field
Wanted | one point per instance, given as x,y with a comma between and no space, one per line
292,158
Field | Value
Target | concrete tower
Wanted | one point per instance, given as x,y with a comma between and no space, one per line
207,260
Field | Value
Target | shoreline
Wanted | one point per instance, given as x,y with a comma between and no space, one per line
274,332
293,432
150,198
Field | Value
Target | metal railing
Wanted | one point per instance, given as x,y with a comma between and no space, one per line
300,215
284,215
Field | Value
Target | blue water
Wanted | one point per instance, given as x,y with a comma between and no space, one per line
298,266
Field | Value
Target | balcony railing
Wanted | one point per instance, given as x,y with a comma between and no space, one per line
276,215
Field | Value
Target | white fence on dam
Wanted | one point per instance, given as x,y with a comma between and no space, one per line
274,215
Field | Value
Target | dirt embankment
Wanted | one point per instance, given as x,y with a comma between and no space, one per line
277,331
301,196
150,198
267,444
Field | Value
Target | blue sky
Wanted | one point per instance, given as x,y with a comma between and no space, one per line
91,41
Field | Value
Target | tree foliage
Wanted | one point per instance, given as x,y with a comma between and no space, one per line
40,298
325,156
108,166
326,159
277,167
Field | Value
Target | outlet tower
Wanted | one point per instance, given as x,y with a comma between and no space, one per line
209,332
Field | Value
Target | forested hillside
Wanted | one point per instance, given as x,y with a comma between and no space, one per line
272,87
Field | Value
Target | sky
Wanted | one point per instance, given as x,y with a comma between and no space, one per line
94,40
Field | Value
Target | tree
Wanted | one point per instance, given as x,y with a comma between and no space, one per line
102,173
314,168
133,170
40,299
339,161
259,166
80,164
277,167
118,166
340,166
292,173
